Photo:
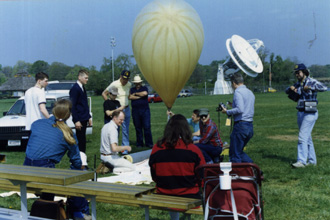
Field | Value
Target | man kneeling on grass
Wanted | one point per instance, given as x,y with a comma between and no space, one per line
109,145
210,142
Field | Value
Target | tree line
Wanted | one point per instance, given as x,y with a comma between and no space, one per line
281,71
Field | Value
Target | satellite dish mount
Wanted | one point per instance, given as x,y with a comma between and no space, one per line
243,56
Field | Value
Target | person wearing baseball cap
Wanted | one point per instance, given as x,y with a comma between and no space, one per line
300,66
306,90
141,113
123,85
111,105
210,142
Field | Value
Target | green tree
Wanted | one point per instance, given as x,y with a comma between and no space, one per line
3,78
97,81
106,69
39,66
8,71
123,61
73,72
319,70
281,70
58,71
21,66
198,75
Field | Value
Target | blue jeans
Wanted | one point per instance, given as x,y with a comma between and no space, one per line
209,151
141,120
77,204
306,151
174,215
125,127
242,133
41,163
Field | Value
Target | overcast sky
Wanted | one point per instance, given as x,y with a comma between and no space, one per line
79,31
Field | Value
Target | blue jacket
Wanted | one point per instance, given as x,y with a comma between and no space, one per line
47,142
80,109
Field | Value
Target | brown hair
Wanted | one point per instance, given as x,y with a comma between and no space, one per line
83,72
196,112
41,76
62,111
177,127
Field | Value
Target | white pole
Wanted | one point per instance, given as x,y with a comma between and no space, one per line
113,70
113,44
270,75
263,82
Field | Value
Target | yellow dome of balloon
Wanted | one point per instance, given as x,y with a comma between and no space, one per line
167,42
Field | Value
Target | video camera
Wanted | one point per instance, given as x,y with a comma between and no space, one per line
220,107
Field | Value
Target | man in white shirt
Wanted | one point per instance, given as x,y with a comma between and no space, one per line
109,145
35,100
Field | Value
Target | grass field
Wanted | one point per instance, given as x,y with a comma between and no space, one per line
294,194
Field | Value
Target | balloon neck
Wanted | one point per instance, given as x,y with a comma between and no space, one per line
168,116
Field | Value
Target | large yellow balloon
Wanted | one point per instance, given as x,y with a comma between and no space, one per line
167,42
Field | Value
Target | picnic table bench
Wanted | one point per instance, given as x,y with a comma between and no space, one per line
120,194
21,175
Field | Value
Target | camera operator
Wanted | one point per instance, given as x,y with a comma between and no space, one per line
242,111
210,142
305,92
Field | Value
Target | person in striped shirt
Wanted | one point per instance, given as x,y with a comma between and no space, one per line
173,161
306,92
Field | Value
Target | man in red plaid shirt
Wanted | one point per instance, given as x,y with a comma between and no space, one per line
210,142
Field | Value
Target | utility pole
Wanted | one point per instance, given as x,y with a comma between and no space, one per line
270,75
113,45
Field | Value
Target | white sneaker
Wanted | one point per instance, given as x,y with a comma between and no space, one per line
298,165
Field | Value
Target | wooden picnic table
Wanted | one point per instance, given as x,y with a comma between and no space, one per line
21,175
114,193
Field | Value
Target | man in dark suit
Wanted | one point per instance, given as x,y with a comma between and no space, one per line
80,110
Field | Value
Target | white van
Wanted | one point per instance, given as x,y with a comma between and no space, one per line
12,124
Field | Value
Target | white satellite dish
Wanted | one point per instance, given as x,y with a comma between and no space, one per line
243,56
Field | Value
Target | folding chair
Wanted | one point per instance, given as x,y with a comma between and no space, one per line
242,200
